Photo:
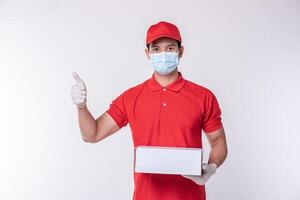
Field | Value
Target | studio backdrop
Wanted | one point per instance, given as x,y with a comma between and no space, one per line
246,52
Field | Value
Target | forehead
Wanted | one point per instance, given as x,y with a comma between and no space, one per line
163,41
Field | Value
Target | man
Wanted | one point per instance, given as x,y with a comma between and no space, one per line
165,110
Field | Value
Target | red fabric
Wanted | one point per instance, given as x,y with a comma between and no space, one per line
162,29
175,117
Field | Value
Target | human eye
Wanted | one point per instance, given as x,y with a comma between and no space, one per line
171,48
154,49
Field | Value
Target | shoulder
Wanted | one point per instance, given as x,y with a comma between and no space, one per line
204,96
133,90
197,89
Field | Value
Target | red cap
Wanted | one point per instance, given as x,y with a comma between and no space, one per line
162,29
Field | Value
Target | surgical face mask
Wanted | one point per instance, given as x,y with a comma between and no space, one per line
164,63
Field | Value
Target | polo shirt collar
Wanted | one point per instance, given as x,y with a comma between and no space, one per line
175,86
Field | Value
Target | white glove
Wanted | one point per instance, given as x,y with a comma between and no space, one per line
207,171
79,92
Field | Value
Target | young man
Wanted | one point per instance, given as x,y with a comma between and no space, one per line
165,110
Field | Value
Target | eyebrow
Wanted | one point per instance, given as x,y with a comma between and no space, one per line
173,44
154,45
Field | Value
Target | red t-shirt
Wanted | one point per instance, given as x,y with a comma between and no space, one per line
173,116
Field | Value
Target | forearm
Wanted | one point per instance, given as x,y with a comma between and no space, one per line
218,153
87,124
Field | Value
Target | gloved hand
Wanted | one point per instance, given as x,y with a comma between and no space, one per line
207,171
79,92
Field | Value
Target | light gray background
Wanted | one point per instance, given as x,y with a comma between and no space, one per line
246,52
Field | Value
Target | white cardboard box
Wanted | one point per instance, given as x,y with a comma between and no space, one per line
168,160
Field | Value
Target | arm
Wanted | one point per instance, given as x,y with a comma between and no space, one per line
95,130
217,141
91,130
216,138
217,156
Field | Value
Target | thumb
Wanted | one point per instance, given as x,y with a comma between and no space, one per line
197,179
77,78
187,176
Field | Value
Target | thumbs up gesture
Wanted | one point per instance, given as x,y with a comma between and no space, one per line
79,92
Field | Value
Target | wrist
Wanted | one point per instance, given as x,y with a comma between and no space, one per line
81,107
210,168
214,167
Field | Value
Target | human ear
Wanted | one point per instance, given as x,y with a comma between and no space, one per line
147,53
181,49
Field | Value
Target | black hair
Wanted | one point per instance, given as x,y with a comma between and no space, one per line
178,44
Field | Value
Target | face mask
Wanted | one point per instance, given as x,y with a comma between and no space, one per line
164,63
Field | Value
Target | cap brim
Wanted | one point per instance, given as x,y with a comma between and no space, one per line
163,35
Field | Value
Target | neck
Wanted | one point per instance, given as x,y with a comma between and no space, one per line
165,80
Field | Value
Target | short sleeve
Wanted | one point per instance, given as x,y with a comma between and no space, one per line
117,111
211,120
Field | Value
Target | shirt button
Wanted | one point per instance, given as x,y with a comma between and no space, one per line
164,89
164,104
